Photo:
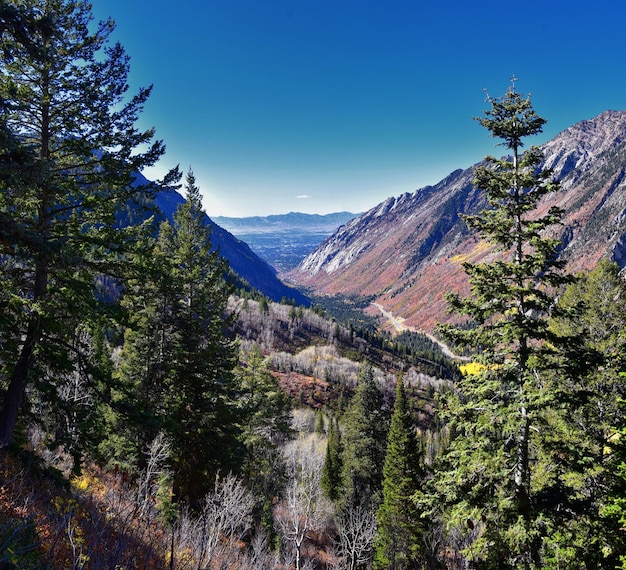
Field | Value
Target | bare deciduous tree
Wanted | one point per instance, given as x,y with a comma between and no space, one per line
224,520
157,456
356,527
304,509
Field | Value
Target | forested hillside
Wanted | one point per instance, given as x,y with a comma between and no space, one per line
156,413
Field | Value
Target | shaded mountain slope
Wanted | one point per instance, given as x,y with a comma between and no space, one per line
408,251
242,260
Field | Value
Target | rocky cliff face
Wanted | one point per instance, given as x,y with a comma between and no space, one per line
407,252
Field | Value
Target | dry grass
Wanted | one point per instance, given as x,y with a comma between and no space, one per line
91,522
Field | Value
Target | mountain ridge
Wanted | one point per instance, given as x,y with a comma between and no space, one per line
285,222
407,252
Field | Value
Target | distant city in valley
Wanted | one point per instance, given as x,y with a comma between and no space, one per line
284,240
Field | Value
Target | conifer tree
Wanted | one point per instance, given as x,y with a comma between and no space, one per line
494,476
265,410
595,451
70,148
364,441
201,397
178,356
613,508
151,339
399,540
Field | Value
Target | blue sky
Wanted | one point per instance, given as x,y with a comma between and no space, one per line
320,106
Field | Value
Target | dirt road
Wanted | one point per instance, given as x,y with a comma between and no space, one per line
399,326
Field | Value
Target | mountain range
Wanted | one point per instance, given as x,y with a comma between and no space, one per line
407,252
293,221
284,240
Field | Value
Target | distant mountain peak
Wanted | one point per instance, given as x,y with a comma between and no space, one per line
284,222
578,144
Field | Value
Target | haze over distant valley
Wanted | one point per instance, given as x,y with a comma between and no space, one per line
284,240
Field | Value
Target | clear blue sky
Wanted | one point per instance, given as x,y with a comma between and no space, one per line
325,105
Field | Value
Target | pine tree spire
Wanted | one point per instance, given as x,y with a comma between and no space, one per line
499,414
399,541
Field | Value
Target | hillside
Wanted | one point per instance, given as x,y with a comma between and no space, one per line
408,251
316,357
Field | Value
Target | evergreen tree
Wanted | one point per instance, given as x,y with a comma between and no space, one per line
151,339
178,358
319,425
595,451
364,441
613,509
69,151
266,418
201,395
399,540
495,474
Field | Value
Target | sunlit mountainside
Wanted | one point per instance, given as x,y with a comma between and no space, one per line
408,251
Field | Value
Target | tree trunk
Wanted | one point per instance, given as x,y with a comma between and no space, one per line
19,378
17,386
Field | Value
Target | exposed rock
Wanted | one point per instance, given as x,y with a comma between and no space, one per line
408,251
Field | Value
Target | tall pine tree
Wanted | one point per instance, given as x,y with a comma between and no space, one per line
494,476
331,472
364,442
178,356
72,146
265,408
399,540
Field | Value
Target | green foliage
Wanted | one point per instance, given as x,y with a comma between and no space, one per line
411,347
263,305
598,299
265,416
331,471
176,370
532,467
364,437
510,422
399,541
69,151
614,509
348,310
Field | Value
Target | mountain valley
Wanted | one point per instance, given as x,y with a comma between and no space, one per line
275,392
284,241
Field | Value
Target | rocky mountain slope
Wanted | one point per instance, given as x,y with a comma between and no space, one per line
407,252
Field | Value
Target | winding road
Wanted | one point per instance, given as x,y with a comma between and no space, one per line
399,326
